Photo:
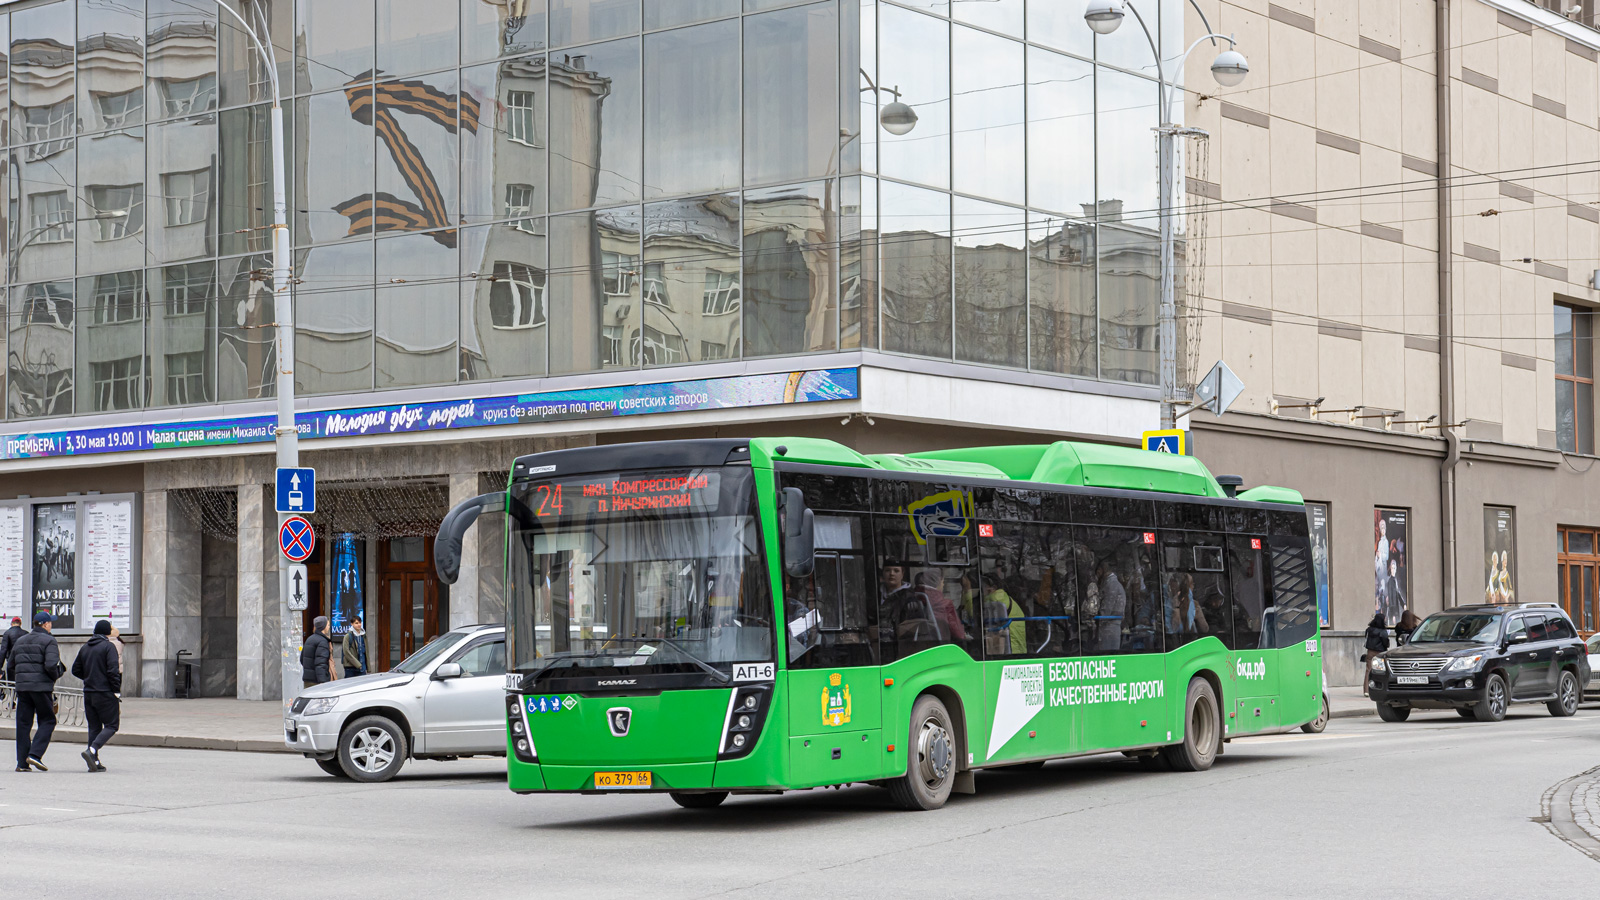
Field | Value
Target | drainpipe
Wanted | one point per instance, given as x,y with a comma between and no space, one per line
1447,385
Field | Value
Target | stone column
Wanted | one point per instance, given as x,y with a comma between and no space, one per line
464,593
155,675
259,652
169,593
491,530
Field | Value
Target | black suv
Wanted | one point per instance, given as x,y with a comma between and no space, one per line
1478,660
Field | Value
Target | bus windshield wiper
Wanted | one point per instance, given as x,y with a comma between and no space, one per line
721,676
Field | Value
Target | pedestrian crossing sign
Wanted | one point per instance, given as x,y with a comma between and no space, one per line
1168,441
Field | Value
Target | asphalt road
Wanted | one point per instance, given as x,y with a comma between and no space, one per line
1434,807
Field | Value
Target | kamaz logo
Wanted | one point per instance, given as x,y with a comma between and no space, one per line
1251,671
616,682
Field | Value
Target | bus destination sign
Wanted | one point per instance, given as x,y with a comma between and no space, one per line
627,494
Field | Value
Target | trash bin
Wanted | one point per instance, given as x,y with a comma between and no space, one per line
183,676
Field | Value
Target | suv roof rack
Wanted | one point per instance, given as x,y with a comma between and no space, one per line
1539,603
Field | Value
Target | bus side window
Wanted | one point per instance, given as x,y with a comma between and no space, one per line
1194,593
920,584
1294,591
1120,606
829,619
1026,600
1248,583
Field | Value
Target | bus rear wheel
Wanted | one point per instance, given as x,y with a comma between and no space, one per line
1202,734
708,800
931,758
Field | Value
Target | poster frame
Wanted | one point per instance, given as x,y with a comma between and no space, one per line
135,556
1494,510
1324,571
25,564
1380,512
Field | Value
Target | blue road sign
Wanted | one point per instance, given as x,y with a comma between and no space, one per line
1167,441
296,539
297,490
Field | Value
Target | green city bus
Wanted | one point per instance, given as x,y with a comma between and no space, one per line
706,617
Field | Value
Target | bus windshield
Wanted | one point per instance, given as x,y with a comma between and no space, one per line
637,572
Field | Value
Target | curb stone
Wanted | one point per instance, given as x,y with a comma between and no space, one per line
167,741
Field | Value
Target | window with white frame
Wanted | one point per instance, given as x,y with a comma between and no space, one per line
185,289
655,285
710,350
188,196
48,303
118,210
516,296
611,345
519,206
116,297
180,97
120,110
523,123
186,381
721,293
51,214
619,272
45,127
117,383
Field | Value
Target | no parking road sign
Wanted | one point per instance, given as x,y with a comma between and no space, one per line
296,539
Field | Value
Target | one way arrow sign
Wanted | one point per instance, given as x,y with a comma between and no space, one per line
299,588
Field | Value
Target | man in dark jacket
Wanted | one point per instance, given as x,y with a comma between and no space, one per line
97,665
33,666
316,654
10,638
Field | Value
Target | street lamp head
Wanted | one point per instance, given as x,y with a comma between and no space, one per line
898,118
1104,16
1229,68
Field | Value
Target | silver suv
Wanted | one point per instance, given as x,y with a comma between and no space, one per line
445,701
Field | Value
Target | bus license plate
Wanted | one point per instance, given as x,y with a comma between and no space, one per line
622,779
1411,679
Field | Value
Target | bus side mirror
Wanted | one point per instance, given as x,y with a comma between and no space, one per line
799,535
447,543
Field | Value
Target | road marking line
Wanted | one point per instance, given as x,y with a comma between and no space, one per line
57,809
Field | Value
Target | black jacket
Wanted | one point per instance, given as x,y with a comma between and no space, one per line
34,663
6,641
1377,638
97,666
314,659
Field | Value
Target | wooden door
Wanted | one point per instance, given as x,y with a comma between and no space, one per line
408,601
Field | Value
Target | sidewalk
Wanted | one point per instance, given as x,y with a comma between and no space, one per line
211,724
1345,702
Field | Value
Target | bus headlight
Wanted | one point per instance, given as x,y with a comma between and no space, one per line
747,712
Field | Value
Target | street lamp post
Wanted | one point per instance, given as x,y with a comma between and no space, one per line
287,436
1229,69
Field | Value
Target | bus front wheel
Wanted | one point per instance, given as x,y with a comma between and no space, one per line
931,758
1202,733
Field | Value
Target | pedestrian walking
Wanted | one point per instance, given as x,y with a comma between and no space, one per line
1402,629
355,649
316,654
100,668
1377,642
10,638
33,666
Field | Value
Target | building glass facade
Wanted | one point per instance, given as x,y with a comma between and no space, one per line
495,189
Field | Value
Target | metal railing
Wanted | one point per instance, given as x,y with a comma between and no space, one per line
69,705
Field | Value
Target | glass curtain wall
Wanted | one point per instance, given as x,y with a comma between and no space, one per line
527,188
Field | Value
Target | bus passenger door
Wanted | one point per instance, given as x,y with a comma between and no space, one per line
1254,685
835,689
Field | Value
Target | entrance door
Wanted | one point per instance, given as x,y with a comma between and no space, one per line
408,600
